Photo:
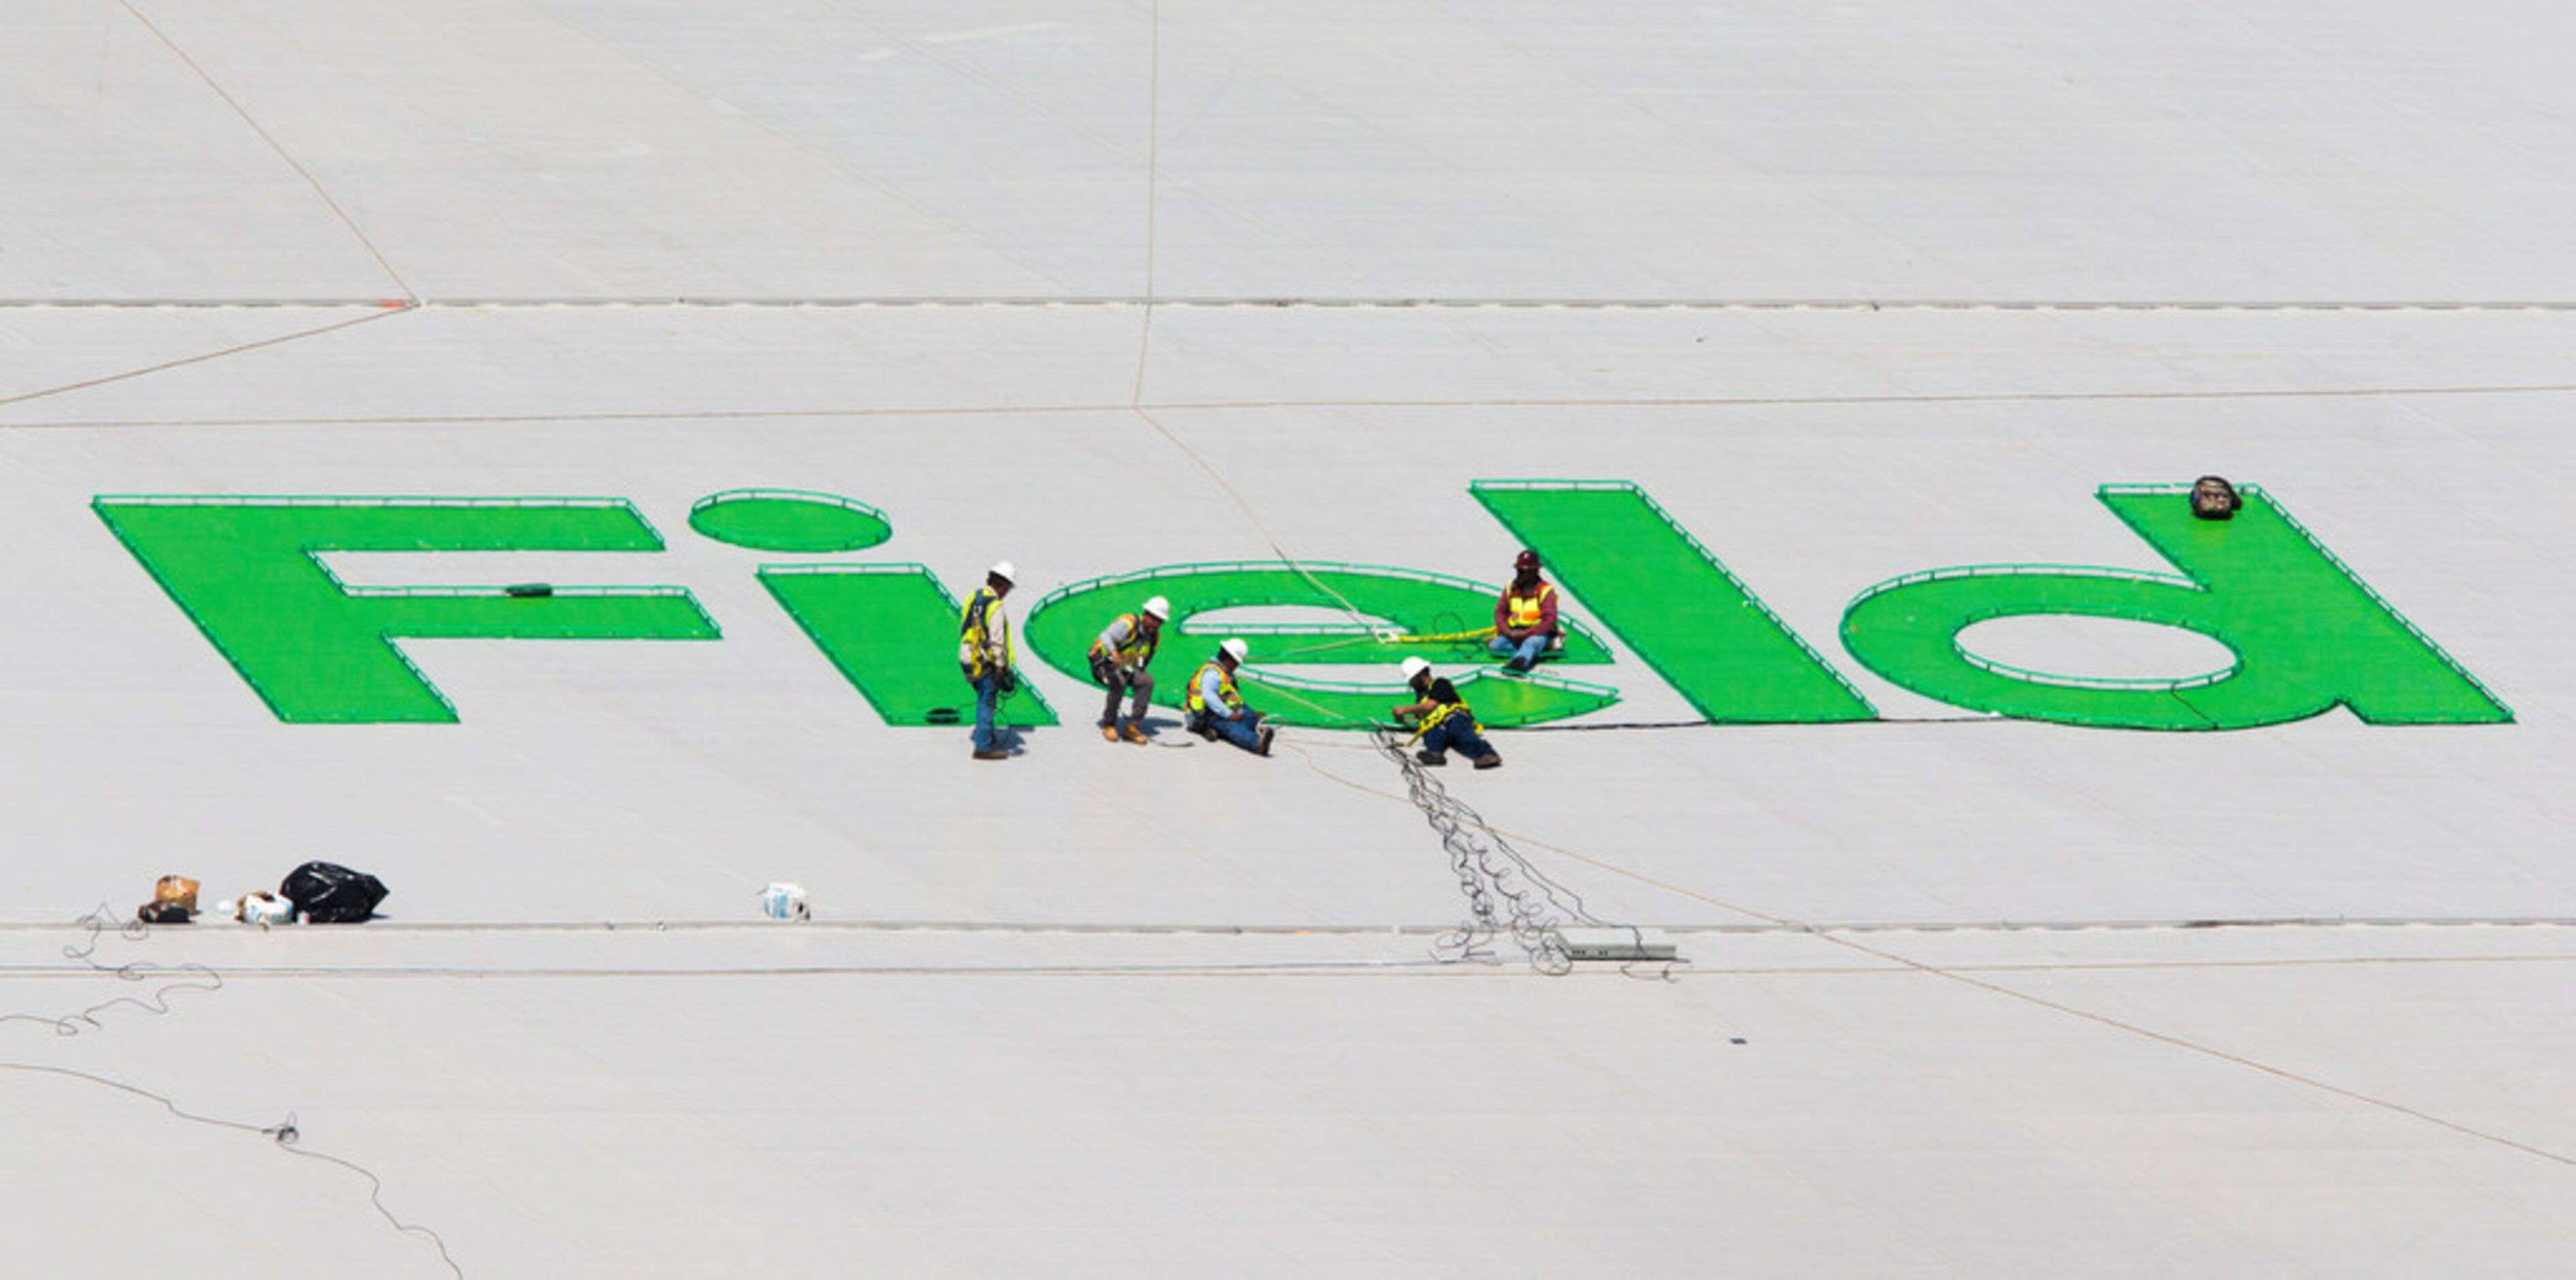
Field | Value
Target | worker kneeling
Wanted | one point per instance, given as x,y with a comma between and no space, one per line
1216,708
1119,659
1446,721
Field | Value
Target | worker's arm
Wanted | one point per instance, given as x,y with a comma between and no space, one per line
1410,710
1116,635
1546,615
1503,614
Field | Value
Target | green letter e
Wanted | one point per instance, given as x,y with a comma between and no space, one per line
2307,635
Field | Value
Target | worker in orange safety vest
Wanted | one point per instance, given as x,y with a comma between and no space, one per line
1525,616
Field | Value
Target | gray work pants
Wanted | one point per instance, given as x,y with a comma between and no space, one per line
1139,682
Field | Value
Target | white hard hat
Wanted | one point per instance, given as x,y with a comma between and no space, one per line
1414,667
1160,608
1004,571
1235,649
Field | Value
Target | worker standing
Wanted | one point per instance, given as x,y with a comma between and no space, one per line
1446,723
984,654
1525,615
1119,659
1216,708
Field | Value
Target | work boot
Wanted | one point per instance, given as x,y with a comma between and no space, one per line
1135,734
1517,666
995,754
1489,761
1261,747
1432,758
1109,733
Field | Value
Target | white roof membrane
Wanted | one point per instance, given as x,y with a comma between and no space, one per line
1850,292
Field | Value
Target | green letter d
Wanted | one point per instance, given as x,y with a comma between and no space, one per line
2305,632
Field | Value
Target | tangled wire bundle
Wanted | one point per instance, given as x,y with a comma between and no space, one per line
1505,892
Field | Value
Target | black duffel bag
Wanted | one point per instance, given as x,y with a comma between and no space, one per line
326,893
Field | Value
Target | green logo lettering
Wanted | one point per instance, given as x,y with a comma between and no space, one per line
2304,633
1439,618
789,520
2307,634
248,573
891,631
1666,597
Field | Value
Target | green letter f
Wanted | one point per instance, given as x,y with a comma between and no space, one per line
245,570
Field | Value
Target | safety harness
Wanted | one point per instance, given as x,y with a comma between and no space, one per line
1137,650
974,639
1441,711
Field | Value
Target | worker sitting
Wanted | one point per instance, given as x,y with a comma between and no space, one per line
1216,708
1525,616
1446,721
1119,659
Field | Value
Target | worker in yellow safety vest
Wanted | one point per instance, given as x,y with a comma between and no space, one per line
984,655
1216,707
1525,616
1119,659
1444,720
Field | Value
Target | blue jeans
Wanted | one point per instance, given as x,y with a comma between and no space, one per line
988,696
1243,731
1457,733
1526,652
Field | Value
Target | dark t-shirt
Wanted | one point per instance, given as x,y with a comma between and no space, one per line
1445,693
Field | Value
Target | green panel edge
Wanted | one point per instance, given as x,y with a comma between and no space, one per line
1319,716
101,505
2174,685
1582,646
1479,488
2327,554
884,525
767,575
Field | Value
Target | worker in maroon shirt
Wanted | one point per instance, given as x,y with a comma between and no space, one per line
1525,615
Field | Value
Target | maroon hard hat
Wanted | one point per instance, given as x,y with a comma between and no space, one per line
1526,562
